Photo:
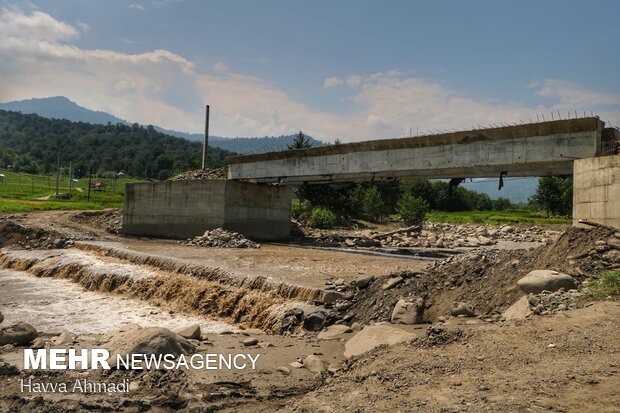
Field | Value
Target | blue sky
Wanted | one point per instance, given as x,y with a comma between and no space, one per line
348,69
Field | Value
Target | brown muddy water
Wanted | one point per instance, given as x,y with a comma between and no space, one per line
55,305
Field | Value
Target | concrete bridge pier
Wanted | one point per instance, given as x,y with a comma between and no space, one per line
596,190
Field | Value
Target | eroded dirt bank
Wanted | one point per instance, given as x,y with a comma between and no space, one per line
316,330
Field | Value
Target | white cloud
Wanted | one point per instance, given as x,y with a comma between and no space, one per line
84,26
38,58
136,7
331,82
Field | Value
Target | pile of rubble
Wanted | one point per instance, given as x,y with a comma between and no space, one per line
203,174
29,238
221,238
439,235
109,219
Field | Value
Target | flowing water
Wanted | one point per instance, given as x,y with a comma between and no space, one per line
56,305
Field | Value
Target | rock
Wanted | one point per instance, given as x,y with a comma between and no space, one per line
339,281
393,282
296,365
64,339
284,370
58,242
264,344
38,343
153,340
334,332
1,318
191,332
538,281
519,310
485,240
289,322
19,334
250,342
612,256
373,336
363,283
314,321
506,229
408,312
315,364
462,309
614,243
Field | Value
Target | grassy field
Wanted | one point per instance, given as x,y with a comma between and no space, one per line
495,217
20,192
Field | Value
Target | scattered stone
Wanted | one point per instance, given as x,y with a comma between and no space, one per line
264,344
334,332
191,332
392,282
373,336
463,309
519,310
538,281
221,238
250,341
314,321
19,334
296,365
408,312
315,364
284,370
363,283
38,343
64,339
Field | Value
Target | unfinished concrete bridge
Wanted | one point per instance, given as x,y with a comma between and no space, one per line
256,198
538,149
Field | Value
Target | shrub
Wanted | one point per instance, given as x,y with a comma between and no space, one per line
412,209
607,285
301,210
323,218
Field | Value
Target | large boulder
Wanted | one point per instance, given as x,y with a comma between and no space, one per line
374,336
314,321
19,334
538,281
153,340
408,312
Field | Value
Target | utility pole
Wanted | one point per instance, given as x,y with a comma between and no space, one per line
90,177
70,173
206,141
58,176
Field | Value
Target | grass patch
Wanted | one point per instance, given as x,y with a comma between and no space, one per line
603,286
495,217
21,192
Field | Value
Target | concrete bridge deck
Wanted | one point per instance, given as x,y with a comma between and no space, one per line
546,148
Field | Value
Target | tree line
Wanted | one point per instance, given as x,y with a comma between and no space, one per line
32,144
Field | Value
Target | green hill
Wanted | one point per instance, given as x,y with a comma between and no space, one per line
32,144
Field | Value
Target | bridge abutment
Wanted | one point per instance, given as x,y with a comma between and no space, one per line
596,190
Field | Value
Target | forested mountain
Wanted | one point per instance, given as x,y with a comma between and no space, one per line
31,143
59,107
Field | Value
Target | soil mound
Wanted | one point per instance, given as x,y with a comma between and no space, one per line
486,279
